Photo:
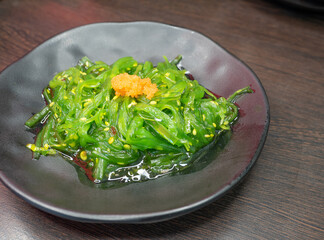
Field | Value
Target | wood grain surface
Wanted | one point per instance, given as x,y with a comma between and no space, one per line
282,197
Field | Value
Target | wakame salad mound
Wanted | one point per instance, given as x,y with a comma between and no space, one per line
129,121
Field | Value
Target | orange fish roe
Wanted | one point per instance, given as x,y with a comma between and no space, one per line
133,86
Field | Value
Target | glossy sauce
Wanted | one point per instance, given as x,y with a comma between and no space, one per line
84,165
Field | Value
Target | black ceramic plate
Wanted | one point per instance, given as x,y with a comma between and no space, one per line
308,5
53,185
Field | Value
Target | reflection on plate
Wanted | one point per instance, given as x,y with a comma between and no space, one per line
309,5
52,184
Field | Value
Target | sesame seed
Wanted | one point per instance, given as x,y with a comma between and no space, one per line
207,135
83,155
31,147
132,104
106,129
51,104
194,132
214,124
126,146
111,140
153,102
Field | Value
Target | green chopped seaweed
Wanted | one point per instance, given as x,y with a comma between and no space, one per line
129,138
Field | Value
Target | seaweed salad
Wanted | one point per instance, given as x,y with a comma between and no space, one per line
129,121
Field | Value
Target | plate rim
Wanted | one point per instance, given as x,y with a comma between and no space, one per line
310,7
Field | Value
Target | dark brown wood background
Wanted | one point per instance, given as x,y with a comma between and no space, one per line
282,197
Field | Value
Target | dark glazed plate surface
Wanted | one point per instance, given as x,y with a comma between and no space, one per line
308,5
52,184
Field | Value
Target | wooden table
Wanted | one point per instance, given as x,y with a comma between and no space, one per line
282,197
